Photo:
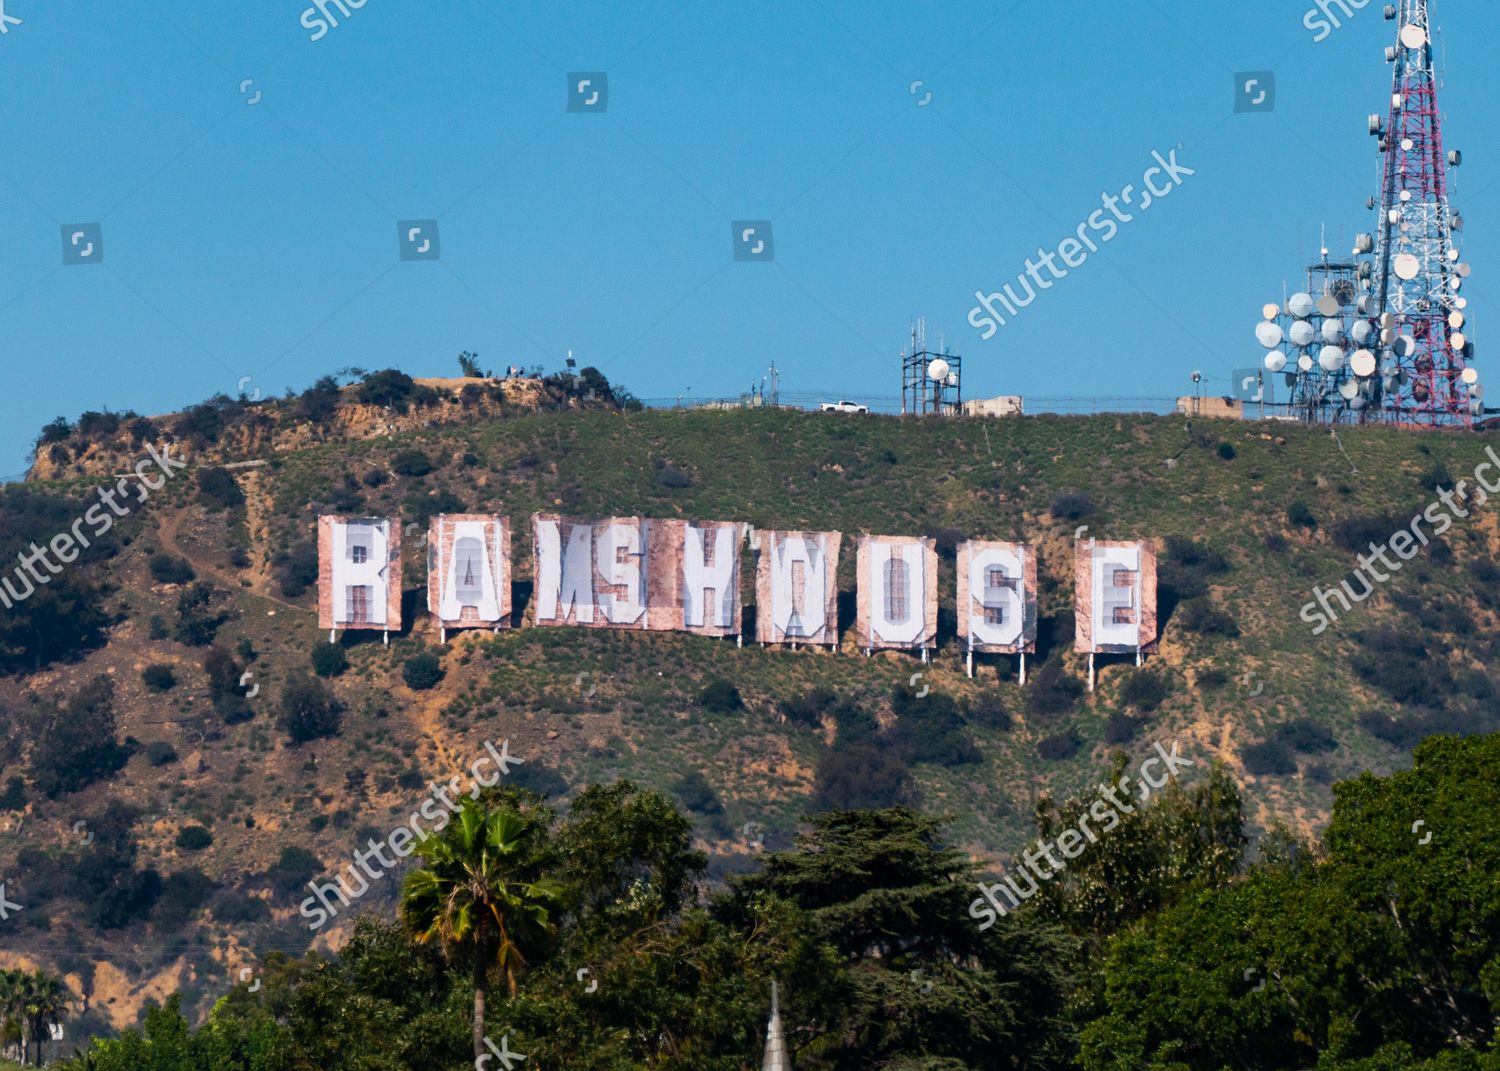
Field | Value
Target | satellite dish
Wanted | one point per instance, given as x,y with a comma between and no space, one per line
1387,319
937,371
1361,331
1328,305
1367,304
1469,376
1461,303
1464,270
1394,215
1413,36
952,379
1387,336
1301,333
1270,312
1396,101
1405,346
1407,266
1455,283
1358,404
1348,390
1331,358
1390,53
1275,361
1405,195
1364,243
1301,305
1268,334
1333,330
1457,222
1362,363
1305,363
1457,340
1455,320
1407,145
1456,158
1375,124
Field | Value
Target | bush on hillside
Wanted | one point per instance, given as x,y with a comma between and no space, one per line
158,677
720,697
422,671
329,659
169,569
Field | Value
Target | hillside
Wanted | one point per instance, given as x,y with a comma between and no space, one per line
1249,517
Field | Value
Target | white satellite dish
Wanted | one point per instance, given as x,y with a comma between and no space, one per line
1396,101
1364,243
1301,333
1331,358
1305,363
1275,361
1464,270
1268,334
1387,319
1455,284
1461,303
1328,305
937,371
1406,346
1453,254
1270,312
1469,376
1394,215
1457,341
1413,36
952,380
1361,331
1407,266
1407,145
1348,390
1301,305
1333,330
1405,195
1367,305
1362,363
1455,320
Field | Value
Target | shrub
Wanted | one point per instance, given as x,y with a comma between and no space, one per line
1268,758
1072,506
720,697
672,477
217,489
1305,735
169,569
1435,477
987,711
297,569
1299,516
1059,746
74,745
374,478
1052,691
389,388
1357,533
293,868
14,796
411,463
318,402
198,619
695,793
158,677
1203,617
1227,451
223,673
422,671
1120,728
809,708
193,838
309,710
329,659
1212,679
160,753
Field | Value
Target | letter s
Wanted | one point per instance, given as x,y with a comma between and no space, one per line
317,23
321,913
984,323
1316,614
978,909
1313,22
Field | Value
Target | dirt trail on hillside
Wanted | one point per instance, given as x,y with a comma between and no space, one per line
171,523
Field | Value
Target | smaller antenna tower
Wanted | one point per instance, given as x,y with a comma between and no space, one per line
931,381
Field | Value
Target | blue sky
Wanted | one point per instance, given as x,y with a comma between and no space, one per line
260,240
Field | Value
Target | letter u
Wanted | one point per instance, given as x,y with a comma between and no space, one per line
1030,293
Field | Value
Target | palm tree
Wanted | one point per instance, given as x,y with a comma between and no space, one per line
11,1000
482,895
46,1000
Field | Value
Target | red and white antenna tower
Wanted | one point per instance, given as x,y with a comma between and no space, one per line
1425,350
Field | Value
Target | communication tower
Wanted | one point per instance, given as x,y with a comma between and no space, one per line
931,380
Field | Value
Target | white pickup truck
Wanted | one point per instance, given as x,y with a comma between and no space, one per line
844,407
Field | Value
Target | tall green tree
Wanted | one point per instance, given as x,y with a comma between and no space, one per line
482,895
